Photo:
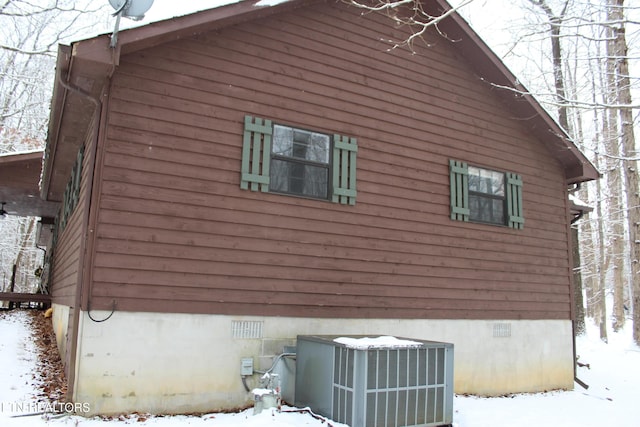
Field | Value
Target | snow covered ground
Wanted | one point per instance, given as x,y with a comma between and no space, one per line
612,398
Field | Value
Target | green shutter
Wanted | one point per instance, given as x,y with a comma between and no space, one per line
256,154
459,180
66,205
76,178
71,196
514,201
344,169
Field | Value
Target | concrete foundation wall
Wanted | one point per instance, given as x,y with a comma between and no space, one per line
60,322
179,363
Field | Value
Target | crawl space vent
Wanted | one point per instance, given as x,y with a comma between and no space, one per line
366,382
501,330
245,329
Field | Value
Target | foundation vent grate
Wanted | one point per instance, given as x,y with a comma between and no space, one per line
501,330
246,329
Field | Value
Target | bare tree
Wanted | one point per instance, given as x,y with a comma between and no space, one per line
30,32
585,65
618,55
29,35
555,22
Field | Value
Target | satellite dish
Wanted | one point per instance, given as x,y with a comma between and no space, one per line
132,9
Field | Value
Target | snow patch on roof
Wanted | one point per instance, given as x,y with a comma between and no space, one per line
379,342
17,153
577,201
270,2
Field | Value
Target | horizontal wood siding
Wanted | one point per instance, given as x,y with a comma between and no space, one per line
176,232
67,252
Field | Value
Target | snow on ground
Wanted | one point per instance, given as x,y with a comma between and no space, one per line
17,360
611,400
613,377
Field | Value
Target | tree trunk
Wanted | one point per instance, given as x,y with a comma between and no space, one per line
600,301
629,153
26,235
589,265
555,26
579,325
13,285
614,174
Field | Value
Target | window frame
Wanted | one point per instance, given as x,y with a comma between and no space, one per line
488,196
328,166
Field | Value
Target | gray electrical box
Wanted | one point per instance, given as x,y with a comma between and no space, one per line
376,386
246,366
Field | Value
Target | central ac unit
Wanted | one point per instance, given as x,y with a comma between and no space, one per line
388,385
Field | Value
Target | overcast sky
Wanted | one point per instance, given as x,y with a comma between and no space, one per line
163,9
482,11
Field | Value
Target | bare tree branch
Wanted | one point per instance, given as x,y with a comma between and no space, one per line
408,13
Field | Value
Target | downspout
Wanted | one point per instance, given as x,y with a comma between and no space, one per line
92,209
576,187
93,183
73,350
577,217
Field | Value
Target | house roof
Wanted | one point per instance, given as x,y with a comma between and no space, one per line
85,66
19,185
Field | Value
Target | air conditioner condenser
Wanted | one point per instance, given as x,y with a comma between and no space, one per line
383,382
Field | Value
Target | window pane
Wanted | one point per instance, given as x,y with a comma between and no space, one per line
486,209
486,181
300,144
298,178
282,141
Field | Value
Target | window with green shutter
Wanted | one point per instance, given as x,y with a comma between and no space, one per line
485,196
71,196
300,162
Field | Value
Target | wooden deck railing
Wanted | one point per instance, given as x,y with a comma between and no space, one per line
16,297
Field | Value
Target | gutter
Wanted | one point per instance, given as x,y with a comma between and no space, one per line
63,64
573,321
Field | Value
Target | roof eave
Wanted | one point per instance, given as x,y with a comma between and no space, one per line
81,73
57,105
172,29
19,190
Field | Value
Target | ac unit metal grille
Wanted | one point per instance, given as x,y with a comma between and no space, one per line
405,387
392,387
343,374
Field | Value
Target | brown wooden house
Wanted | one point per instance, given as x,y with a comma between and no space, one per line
236,177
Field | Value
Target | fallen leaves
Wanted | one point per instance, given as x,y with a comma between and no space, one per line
49,376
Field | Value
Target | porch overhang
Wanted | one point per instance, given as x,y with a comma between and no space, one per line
19,185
